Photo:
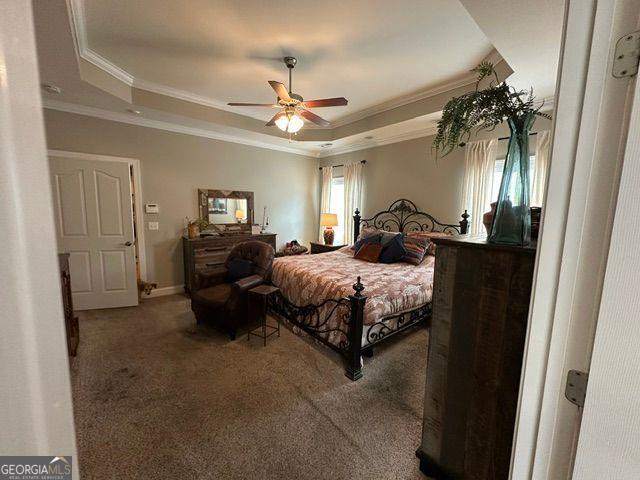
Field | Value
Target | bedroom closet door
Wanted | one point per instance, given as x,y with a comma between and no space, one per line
94,223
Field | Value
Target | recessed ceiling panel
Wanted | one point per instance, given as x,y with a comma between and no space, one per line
369,51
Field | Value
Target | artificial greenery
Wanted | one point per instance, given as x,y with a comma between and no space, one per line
201,223
481,110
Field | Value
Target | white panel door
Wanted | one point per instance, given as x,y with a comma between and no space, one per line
94,223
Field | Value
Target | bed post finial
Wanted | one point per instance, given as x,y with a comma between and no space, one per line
356,225
464,223
356,322
358,287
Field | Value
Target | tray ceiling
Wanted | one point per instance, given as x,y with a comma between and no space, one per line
227,50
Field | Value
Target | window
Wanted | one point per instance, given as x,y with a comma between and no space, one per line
337,207
497,177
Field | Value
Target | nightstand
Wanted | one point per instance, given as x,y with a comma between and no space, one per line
322,248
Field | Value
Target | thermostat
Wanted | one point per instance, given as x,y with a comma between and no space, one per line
151,208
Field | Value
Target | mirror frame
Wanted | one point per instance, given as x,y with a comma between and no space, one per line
203,202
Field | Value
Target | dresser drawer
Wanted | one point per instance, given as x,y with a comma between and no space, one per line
209,268
216,254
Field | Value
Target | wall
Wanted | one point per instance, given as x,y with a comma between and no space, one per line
409,170
175,165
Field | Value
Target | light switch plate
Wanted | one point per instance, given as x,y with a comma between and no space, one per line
154,226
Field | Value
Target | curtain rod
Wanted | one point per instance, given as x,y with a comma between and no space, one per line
342,164
507,138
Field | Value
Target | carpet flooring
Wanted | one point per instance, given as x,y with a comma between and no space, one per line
156,397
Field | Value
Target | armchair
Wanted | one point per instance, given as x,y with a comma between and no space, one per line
218,300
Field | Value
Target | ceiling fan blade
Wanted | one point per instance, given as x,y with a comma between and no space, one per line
272,122
281,90
237,104
312,117
326,102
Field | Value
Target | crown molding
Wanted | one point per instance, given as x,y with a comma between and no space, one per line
168,126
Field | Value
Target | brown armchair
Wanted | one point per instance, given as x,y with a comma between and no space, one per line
216,299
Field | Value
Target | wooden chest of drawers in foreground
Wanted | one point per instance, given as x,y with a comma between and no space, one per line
476,343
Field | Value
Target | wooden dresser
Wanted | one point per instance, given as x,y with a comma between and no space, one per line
476,344
70,320
208,254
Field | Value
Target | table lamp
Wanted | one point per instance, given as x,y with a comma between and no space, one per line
328,220
239,215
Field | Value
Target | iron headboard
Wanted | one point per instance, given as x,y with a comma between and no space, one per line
404,216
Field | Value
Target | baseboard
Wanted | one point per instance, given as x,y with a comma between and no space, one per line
160,292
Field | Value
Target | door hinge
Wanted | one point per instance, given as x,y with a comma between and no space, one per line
627,55
576,388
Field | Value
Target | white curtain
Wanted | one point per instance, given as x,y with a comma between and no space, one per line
325,197
480,158
541,167
353,174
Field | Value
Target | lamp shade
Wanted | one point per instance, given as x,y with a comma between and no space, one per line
328,219
239,214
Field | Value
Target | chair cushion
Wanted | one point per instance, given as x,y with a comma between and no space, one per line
215,296
239,268
394,251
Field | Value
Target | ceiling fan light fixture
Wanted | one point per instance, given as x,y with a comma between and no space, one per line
295,123
282,122
289,122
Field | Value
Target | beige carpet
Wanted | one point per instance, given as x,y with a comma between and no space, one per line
156,397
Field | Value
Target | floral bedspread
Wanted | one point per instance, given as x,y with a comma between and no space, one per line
390,288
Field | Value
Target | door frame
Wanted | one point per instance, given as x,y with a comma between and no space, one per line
587,150
137,195
37,411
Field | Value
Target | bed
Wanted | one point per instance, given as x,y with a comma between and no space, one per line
351,305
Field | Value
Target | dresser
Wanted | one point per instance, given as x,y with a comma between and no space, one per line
476,343
208,254
70,320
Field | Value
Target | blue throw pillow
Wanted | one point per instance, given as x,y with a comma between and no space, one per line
366,241
394,251
239,268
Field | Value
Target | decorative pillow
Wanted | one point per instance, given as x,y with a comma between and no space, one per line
388,237
239,268
394,251
373,238
366,232
431,249
369,252
416,249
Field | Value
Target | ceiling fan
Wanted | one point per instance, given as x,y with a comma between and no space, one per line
293,107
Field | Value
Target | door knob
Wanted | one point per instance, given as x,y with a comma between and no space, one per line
127,244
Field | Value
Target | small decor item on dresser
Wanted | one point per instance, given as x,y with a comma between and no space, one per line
194,227
485,109
487,218
329,220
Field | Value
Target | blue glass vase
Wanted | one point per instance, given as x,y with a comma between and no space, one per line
512,221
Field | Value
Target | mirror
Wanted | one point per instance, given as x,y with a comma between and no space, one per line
226,207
